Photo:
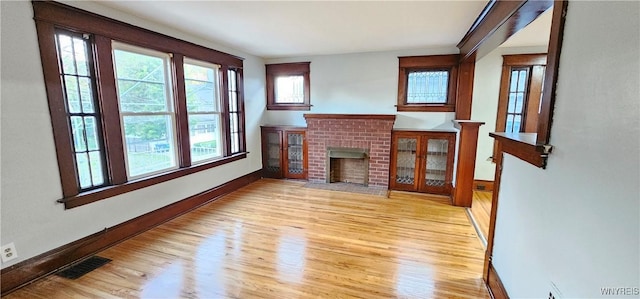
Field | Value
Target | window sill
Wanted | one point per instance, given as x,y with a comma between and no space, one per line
523,146
426,108
303,107
110,191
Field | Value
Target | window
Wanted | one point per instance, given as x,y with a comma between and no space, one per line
520,93
521,88
203,109
288,86
76,75
131,108
146,110
427,83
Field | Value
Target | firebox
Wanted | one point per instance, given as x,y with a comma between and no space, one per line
349,165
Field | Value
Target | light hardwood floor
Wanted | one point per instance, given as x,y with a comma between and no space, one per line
481,210
277,239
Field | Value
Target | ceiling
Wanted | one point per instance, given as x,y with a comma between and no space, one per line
273,29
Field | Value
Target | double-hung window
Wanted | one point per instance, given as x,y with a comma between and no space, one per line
131,108
203,110
146,111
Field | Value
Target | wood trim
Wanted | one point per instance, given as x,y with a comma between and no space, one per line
545,117
421,63
108,101
15,276
533,98
350,116
182,116
467,148
483,185
57,109
503,20
464,97
110,191
494,212
495,286
74,18
524,59
521,146
288,69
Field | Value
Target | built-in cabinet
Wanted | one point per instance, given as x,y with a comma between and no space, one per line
284,152
422,161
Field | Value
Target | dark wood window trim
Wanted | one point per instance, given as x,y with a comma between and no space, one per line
502,20
288,69
52,16
535,65
427,63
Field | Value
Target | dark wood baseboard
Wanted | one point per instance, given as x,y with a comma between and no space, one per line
482,185
39,266
495,286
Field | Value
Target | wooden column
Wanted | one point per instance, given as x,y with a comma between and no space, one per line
468,143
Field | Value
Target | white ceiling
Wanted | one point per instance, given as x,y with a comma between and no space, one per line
272,29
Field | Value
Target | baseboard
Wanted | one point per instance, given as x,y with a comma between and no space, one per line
482,185
15,276
495,286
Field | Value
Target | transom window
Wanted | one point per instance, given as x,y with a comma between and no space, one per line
427,83
131,108
288,86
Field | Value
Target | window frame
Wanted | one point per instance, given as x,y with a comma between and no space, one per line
218,103
52,16
274,71
409,64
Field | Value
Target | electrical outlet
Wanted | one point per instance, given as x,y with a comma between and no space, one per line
554,293
8,252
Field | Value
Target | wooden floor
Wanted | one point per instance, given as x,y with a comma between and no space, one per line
277,239
481,210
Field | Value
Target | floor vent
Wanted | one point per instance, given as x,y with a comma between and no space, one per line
76,271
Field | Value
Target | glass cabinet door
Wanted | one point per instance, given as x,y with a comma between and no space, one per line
295,154
273,153
436,163
405,162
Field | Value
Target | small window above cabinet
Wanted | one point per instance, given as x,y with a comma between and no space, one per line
284,152
422,161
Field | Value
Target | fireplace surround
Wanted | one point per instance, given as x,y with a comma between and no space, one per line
349,136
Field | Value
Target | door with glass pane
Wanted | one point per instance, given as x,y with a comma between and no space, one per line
294,155
404,166
272,153
437,163
422,161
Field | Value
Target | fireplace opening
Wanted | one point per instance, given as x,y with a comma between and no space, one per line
348,165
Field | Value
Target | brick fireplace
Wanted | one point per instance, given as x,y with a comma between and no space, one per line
339,144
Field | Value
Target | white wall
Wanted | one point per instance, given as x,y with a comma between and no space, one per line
30,185
362,83
577,222
486,90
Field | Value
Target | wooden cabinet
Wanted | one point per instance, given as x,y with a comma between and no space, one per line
284,152
422,161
